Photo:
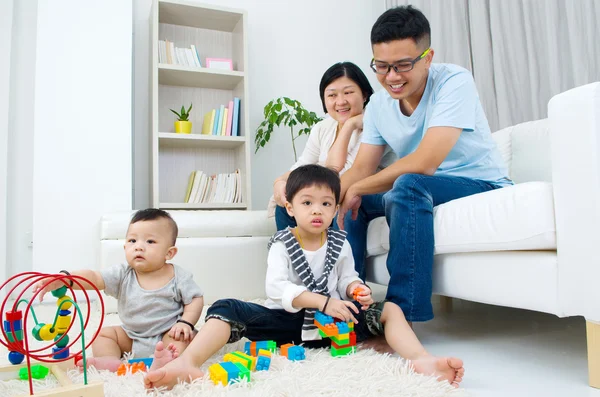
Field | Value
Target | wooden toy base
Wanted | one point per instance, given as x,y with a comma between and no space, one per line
67,388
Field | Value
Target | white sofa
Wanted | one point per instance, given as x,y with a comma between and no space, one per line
531,245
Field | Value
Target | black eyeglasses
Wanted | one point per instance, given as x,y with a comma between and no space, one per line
399,67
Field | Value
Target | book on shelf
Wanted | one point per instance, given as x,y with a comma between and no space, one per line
169,54
218,189
224,120
229,118
208,123
236,116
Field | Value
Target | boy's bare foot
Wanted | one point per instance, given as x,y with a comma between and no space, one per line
379,344
163,356
446,368
177,370
109,363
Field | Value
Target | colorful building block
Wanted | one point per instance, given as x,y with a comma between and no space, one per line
146,361
37,372
58,354
135,367
335,352
293,352
226,372
263,360
242,358
252,348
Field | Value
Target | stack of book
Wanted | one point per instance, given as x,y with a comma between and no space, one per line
224,120
219,188
168,53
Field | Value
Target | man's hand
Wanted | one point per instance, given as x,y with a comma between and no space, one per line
352,203
181,332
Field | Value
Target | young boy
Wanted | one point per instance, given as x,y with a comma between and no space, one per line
157,301
310,268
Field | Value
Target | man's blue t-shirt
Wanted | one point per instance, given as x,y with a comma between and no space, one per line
450,100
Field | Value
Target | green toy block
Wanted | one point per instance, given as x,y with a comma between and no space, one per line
343,351
18,334
37,372
244,372
64,342
60,292
343,339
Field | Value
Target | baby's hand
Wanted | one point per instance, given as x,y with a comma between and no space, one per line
362,294
181,332
50,287
341,309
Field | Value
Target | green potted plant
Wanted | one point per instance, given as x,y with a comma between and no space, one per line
287,112
183,125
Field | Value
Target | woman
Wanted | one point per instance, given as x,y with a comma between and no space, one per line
333,142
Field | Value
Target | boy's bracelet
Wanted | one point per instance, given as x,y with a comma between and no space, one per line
325,305
186,322
68,274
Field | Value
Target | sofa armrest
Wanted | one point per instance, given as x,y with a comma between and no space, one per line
575,145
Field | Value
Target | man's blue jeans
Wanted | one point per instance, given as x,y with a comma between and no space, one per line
408,209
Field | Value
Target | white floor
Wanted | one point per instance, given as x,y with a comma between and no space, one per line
511,352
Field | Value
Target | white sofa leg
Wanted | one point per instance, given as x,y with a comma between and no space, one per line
593,347
446,304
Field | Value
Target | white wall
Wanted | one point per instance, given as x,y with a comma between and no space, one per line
82,127
20,138
290,44
6,15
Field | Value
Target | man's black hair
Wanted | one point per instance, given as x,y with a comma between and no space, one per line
399,23
345,69
151,214
311,175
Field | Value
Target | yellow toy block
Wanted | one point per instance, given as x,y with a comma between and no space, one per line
218,374
242,358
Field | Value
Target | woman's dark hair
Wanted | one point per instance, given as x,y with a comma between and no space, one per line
345,69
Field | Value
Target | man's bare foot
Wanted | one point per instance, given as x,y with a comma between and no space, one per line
446,368
109,363
172,373
379,344
163,356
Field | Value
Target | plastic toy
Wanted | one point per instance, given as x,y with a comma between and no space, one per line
342,335
15,338
252,348
242,358
263,360
293,352
146,361
139,366
227,372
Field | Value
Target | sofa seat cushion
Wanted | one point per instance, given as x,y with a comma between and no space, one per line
514,218
199,224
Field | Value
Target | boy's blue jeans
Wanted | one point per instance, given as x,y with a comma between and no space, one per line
283,219
408,209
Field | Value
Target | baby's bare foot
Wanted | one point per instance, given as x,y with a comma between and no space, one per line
445,368
163,356
172,373
109,363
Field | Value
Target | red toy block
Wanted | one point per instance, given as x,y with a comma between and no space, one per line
13,316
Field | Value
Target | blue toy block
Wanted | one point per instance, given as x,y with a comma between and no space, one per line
263,363
233,372
323,318
343,328
296,353
15,358
61,355
64,312
147,361
17,325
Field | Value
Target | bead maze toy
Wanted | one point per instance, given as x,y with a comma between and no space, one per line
15,338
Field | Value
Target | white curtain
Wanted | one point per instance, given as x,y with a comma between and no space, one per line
521,52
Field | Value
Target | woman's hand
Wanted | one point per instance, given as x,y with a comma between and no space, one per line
279,192
353,123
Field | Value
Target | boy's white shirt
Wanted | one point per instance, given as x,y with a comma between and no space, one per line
283,284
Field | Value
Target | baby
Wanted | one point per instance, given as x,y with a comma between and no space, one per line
158,302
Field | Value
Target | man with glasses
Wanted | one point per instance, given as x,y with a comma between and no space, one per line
431,117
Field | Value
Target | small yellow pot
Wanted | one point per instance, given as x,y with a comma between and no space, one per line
183,127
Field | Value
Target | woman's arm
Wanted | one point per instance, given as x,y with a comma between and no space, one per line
338,154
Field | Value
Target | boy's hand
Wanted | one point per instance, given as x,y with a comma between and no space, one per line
181,332
341,309
50,287
362,294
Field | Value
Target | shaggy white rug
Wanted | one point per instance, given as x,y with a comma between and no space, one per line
365,373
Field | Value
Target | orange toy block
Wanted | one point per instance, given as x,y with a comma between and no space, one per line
135,367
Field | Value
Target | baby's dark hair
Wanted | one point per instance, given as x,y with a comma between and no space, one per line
151,214
311,175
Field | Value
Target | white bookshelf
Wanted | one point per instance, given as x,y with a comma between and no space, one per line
216,32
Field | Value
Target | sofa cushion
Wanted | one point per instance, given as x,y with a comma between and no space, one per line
519,217
199,224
